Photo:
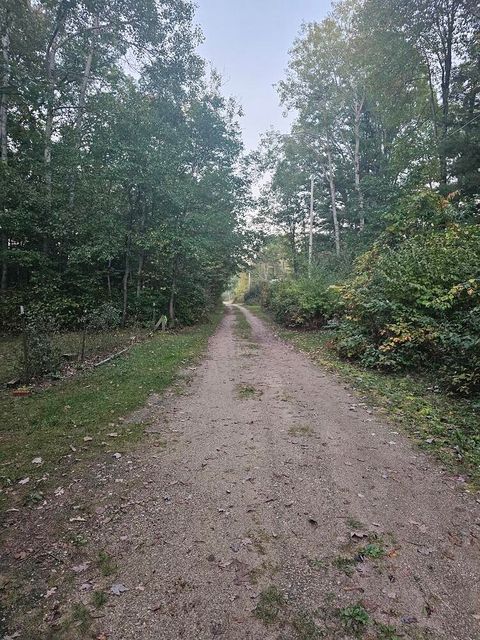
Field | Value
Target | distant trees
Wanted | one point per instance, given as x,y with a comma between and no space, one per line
387,101
119,173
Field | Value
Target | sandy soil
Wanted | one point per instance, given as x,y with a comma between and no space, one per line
271,474
267,500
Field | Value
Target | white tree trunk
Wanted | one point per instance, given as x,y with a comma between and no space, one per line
81,103
51,59
333,197
4,97
358,189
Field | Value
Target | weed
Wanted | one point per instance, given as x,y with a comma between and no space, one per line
81,617
354,618
99,599
270,604
243,328
372,550
79,540
106,564
353,523
386,632
246,391
304,626
265,568
300,430
315,563
344,564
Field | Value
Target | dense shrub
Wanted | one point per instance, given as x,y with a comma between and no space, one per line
306,303
417,304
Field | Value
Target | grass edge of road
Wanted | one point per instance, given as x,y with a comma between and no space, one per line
443,425
69,422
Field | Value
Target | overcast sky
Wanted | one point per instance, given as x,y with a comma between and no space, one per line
247,41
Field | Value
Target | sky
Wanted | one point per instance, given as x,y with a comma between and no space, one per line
247,41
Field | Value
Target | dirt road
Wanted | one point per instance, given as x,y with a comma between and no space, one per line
281,508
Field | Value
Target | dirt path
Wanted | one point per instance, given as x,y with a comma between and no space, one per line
279,501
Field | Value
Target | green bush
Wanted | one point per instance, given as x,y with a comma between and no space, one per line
306,303
417,303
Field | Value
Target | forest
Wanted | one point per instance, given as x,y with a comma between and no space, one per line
121,182
369,209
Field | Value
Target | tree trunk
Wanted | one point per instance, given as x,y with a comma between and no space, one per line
141,260
4,96
109,279
171,302
333,197
445,90
51,56
126,275
358,189
4,274
128,246
3,138
81,101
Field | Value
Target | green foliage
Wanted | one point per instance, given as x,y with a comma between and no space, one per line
114,188
39,357
354,618
270,603
305,302
416,304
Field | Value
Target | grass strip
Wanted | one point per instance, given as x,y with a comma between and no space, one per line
53,423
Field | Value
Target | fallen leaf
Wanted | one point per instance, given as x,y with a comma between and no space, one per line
37,460
24,481
358,534
118,589
87,439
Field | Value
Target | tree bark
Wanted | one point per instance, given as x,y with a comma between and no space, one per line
5,39
171,302
358,189
82,100
5,84
51,59
109,278
126,272
333,197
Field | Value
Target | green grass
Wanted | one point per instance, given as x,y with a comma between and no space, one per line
98,343
243,328
246,391
301,430
444,425
354,618
106,564
52,423
270,603
372,550
99,599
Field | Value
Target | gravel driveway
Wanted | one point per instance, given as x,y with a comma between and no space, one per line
280,507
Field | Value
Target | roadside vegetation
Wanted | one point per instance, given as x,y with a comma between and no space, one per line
76,419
